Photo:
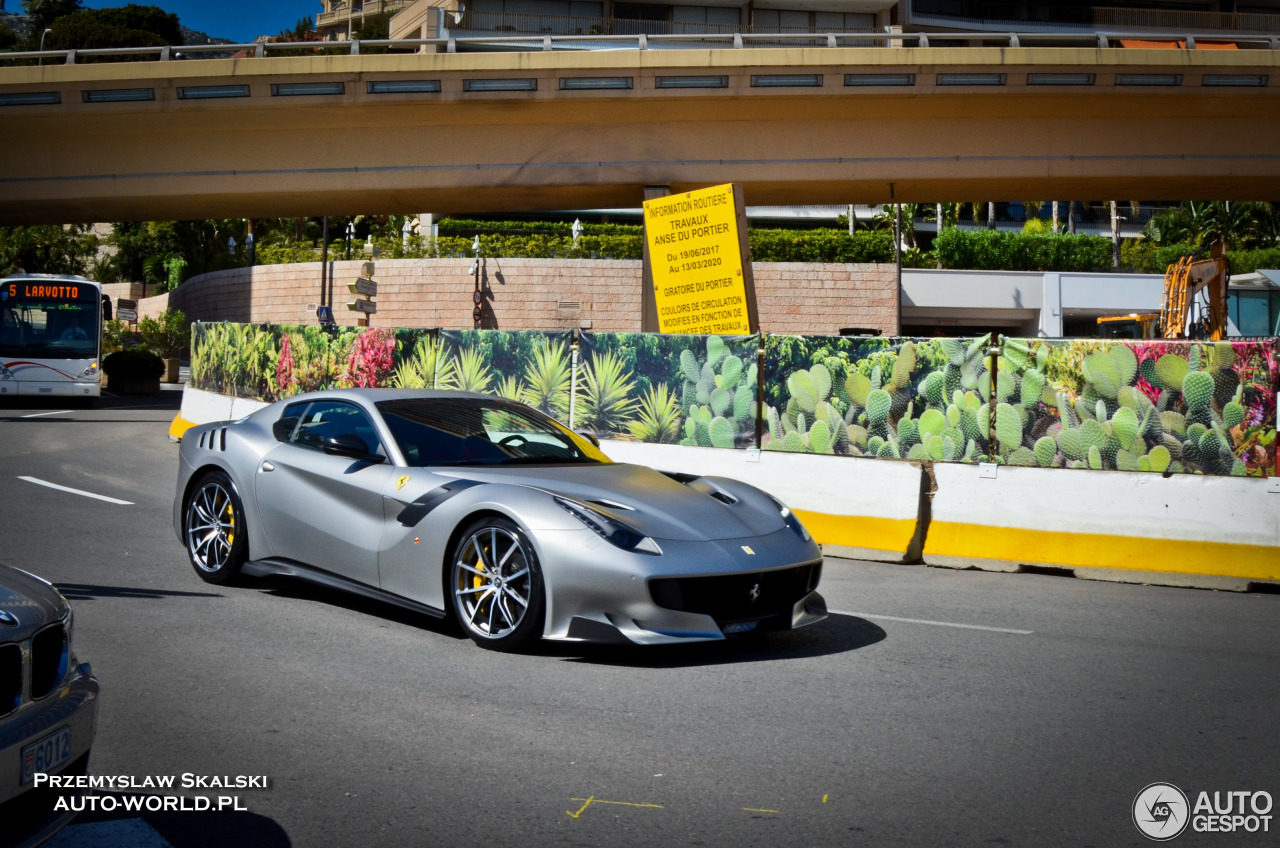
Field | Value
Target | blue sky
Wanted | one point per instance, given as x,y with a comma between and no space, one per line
238,20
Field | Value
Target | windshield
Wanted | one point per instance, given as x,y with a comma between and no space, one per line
474,431
49,329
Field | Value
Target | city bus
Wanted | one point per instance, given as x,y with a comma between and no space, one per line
50,336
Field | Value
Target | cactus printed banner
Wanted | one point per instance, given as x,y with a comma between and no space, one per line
1100,404
525,365
267,362
1142,405
890,398
671,389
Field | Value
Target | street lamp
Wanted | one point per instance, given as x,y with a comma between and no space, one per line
405,232
231,247
351,233
248,247
42,35
576,230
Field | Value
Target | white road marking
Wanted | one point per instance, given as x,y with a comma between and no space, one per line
937,623
40,482
120,833
41,414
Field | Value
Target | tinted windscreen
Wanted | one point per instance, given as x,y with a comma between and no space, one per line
67,330
468,431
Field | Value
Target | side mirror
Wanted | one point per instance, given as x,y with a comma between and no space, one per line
283,428
350,445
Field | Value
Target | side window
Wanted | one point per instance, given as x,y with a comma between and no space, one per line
319,420
285,428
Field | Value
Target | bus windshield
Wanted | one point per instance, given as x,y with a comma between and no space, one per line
57,327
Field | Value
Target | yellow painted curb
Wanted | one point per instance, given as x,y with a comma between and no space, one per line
860,531
179,426
1096,550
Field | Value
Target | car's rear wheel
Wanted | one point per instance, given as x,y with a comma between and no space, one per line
496,586
215,529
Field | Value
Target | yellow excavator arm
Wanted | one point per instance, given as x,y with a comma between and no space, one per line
1182,282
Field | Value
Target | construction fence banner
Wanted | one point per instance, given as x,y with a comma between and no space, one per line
530,366
669,389
1156,406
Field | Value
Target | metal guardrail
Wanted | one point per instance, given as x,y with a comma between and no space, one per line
643,41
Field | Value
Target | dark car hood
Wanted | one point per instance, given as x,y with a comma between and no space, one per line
29,600
659,506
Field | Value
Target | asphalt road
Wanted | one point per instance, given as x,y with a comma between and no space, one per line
934,707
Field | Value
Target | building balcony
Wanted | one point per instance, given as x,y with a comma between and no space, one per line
481,24
1037,17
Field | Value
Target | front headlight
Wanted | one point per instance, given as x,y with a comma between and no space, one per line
610,529
90,373
790,519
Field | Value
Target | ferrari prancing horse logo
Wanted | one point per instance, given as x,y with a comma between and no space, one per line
400,483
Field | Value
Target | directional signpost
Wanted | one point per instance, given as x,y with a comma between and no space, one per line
126,310
365,286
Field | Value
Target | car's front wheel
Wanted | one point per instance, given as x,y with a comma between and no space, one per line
496,586
215,529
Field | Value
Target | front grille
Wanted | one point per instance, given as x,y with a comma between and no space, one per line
737,597
50,655
10,678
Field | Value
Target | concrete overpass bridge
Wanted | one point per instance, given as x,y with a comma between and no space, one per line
458,132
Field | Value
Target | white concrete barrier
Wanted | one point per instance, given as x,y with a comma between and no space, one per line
1134,527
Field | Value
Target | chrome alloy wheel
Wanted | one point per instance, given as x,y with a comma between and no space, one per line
211,526
493,582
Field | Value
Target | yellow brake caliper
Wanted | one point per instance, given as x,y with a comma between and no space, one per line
231,522
477,581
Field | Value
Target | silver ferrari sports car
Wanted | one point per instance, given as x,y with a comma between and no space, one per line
453,503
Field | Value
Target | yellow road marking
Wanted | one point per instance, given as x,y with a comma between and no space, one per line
754,810
593,800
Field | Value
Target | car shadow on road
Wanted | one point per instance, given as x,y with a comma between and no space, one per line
91,591
837,635
303,590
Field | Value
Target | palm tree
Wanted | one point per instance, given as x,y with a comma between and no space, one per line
547,380
658,420
606,395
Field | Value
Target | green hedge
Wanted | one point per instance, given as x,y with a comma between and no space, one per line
461,227
821,246
994,250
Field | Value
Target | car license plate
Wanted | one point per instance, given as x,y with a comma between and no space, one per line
740,627
47,754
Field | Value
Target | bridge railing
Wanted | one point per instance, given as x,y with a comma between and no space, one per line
637,41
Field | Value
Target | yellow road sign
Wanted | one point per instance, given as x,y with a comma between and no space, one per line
697,259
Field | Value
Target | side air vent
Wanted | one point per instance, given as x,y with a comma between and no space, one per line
723,497
214,440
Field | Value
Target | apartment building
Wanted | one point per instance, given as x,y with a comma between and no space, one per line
607,17
341,18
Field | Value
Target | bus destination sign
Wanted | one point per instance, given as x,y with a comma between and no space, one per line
696,255
26,290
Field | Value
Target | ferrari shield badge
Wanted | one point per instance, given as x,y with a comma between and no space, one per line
404,478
